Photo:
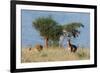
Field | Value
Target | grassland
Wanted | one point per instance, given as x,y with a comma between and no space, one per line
53,54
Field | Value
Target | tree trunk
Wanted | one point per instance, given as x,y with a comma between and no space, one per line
46,42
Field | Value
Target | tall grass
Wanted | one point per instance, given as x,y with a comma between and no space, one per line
54,54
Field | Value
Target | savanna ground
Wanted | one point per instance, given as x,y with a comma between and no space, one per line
53,54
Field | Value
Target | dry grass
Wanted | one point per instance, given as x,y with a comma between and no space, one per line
53,54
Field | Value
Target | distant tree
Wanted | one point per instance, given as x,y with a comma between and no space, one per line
48,28
73,30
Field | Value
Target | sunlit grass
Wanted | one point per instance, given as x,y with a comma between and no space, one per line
53,54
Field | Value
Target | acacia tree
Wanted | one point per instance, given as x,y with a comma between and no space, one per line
48,28
73,30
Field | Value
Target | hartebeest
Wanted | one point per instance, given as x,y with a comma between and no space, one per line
71,47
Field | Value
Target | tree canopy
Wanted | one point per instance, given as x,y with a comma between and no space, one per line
47,27
73,29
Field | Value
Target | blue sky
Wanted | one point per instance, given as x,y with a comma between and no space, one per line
30,36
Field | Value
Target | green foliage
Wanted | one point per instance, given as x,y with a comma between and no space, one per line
54,43
73,29
48,27
55,32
